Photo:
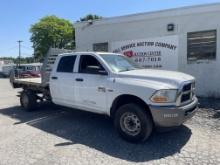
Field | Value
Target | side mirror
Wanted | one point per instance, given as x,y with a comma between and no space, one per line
103,72
96,70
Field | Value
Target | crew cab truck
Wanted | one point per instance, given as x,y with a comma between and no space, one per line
137,99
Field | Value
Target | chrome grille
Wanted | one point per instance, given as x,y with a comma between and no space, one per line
187,87
188,92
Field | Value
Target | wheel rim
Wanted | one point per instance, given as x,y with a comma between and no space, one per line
25,100
130,124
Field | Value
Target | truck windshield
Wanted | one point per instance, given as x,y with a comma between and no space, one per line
120,63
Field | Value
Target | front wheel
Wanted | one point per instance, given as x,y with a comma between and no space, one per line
133,122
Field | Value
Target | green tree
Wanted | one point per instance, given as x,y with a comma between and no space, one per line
90,17
51,31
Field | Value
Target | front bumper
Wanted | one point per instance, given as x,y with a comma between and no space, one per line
171,116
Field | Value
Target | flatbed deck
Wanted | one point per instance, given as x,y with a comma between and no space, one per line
28,81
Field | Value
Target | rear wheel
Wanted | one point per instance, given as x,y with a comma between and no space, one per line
28,100
133,122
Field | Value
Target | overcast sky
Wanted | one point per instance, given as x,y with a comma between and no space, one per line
18,15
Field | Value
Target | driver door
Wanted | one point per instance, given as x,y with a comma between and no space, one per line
90,84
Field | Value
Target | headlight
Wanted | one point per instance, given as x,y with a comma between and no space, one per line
164,96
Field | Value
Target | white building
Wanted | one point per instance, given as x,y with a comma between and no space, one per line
184,39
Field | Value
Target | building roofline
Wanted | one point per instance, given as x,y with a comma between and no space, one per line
155,14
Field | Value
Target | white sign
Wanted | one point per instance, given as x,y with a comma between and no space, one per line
158,53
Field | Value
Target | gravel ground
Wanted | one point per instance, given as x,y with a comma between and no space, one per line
61,136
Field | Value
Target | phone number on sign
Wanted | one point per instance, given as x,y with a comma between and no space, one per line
152,66
147,59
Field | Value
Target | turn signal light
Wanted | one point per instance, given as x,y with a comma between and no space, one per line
160,99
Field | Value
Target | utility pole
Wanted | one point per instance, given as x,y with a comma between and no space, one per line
19,47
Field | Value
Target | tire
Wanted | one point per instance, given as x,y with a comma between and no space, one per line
142,125
28,100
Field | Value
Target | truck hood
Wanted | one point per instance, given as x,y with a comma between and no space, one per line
167,78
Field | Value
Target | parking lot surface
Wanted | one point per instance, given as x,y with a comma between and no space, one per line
62,136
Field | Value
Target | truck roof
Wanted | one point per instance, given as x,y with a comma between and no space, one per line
85,53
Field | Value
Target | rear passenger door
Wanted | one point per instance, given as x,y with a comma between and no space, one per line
62,81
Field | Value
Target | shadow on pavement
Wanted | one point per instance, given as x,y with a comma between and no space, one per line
211,105
97,132
217,115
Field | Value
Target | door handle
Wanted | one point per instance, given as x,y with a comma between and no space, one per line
101,89
54,78
79,79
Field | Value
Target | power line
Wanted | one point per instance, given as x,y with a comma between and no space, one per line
27,54
28,48
9,49
6,50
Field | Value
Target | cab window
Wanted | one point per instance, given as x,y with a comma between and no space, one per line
90,65
66,64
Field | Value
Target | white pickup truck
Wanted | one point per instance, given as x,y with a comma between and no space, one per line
137,99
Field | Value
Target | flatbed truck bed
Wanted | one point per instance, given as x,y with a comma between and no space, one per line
41,83
34,88
28,81
38,88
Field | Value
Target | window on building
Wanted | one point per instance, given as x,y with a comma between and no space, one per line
100,47
66,64
202,45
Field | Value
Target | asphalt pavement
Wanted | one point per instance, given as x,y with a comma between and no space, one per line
62,136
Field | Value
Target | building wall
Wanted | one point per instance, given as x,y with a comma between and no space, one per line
207,72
